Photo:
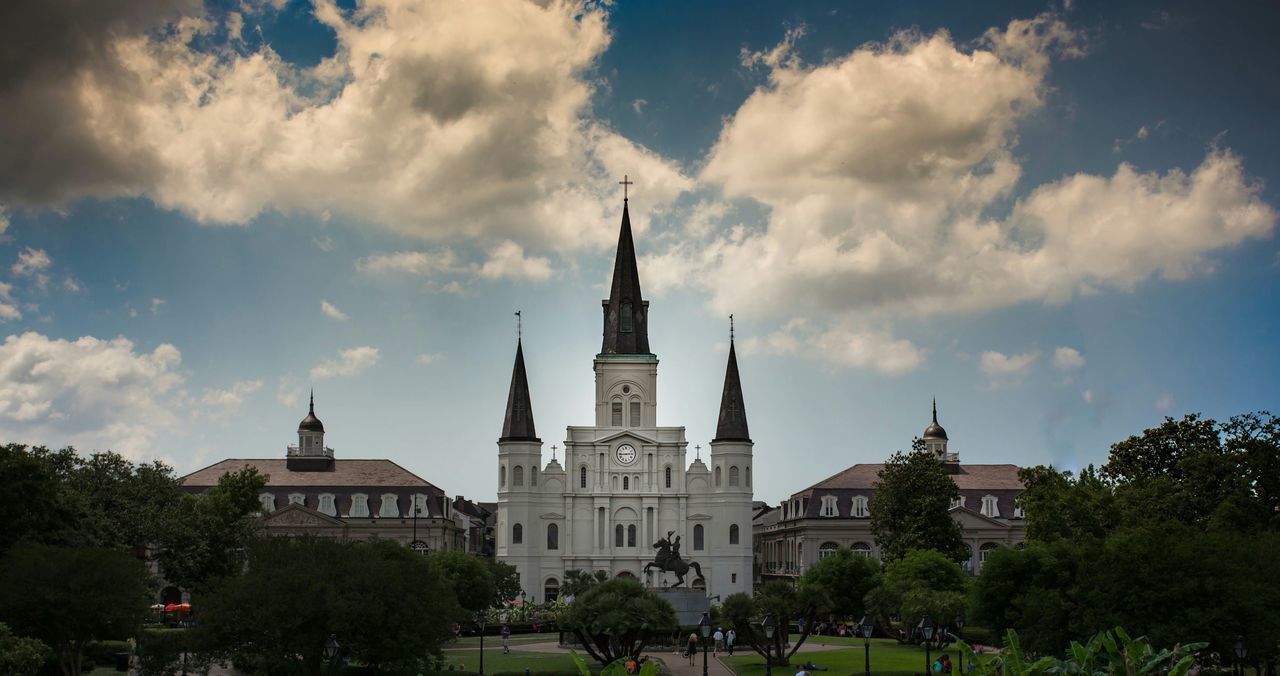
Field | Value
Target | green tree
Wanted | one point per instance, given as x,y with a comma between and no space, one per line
786,602
506,582
1035,592
20,656
69,596
387,607
922,582
614,619
910,508
208,532
1060,506
470,578
845,578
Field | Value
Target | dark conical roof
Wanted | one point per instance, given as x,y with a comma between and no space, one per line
732,425
626,328
518,423
311,423
934,430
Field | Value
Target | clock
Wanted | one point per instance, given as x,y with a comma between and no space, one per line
626,454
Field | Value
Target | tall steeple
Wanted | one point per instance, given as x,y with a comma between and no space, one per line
518,423
732,425
626,327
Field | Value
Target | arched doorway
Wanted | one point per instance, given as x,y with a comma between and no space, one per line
627,574
551,590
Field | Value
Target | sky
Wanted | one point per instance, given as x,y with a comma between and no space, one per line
1057,219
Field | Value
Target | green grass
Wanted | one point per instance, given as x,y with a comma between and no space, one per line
491,641
515,662
887,657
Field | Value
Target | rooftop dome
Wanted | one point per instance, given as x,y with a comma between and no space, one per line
311,423
934,430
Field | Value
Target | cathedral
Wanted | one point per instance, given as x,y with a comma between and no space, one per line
625,485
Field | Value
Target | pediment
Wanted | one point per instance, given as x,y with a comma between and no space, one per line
627,434
297,515
967,516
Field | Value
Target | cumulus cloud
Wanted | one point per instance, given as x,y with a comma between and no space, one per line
1067,359
996,365
349,362
223,404
288,392
453,118
428,358
507,260
332,312
8,308
33,263
846,345
92,393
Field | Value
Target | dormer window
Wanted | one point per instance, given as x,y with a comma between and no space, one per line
327,505
625,322
861,507
390,506
958,502
990,506
830,507
359,505
297,499
268,501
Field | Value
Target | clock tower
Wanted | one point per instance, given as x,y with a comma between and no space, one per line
626,481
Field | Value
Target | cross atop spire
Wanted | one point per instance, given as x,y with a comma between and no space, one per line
519,327
731,327
625,183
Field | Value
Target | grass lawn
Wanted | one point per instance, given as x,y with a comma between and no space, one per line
887,657
464,656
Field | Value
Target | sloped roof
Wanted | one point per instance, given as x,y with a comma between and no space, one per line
346,472
969,477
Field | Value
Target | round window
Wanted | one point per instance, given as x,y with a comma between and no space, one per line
626,389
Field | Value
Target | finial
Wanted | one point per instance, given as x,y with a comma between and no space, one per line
553,452
312,408
935,409
731,328
625,183
698,450
519,326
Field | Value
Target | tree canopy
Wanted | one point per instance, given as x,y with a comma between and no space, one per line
910,508
616,618
922,582
786,602
846,579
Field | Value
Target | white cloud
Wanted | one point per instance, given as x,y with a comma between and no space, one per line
157,304
507,260
288,392
332,312
33,263
349,362
8,308
1067,359
71,285
93,393
638,106
422,263
999,365
846,345
224,404
428,358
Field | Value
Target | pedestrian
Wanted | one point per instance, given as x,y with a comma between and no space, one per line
946,663
693,648
506,634
719,637
937,665
802,672
728,640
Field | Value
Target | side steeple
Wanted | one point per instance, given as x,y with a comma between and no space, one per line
626,314
732,425
518,423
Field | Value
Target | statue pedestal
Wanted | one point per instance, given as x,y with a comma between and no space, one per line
690,604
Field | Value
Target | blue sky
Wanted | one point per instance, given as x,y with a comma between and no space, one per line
1058,220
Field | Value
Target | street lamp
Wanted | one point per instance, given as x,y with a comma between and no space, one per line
1241,652
480,621
866,627
704,628
331,648
960,649
769,626
926,631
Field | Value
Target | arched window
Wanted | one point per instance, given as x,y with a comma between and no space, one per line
717,476
502,477
626,483
582,476
533,475
625,323
827,549
517,534
748,475
616,413
618,534
733,475
631,535
668,473
985,550
635,412
698,543
733,534
553,536
862,549
517,476
551,590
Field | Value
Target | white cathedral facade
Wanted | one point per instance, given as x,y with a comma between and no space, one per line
625,482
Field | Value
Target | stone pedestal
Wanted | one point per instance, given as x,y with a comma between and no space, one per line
690,604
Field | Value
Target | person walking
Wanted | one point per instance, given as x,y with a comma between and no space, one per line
728,640
506,634
675,640
693,649
719,637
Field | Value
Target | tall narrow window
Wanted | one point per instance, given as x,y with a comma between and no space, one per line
635,412
517,476
733,534
748,475
553,536
533,475
617,413
626,483
717,476
733,475
582,476
502,477
698,543
861,507
668,473
617,535
631,535
517,534
625,321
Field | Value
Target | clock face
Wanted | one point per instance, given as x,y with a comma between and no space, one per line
626,454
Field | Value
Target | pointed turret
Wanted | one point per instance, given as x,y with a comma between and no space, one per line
733,414
518,424
934,430
626,328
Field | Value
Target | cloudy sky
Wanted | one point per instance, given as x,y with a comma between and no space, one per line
1057,219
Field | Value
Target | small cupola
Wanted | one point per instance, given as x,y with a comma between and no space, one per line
310,454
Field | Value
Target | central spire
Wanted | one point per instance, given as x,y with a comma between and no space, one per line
626,327
518,423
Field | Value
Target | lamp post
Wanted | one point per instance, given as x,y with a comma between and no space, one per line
480,621
866,627
926,631
1241,653
769,626
704,628
960,650
331,649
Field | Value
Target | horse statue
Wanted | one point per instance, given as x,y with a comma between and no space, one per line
668,559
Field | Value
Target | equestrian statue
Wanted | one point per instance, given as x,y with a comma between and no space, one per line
668,559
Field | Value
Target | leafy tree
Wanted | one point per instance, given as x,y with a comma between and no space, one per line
578,581
922,582
745,613
20,656
910,508
387,606
614,619
470,578
33,505
1254,440
69,596
208,532
1034,591
506,582
1060,506
845,578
